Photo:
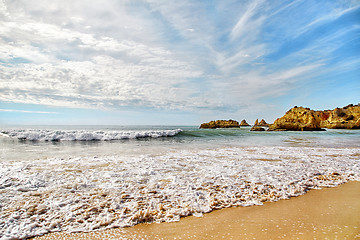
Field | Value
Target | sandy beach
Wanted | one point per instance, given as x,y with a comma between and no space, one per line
329,213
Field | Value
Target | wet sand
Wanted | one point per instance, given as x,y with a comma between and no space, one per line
330,213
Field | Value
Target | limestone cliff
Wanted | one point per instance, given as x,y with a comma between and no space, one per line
221,124
305,119
346,118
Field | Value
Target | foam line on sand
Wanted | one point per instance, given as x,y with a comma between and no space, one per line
332,213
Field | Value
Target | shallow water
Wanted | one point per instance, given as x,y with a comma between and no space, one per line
160,174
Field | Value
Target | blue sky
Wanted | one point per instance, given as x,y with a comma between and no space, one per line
174,62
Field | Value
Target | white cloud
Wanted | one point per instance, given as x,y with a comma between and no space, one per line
98,82
246,53
185,55
25,111
3,9
330,16
116,72
246,23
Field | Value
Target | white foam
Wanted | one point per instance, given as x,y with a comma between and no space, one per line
83,135
88,193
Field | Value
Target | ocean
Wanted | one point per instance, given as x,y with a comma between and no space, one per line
87,178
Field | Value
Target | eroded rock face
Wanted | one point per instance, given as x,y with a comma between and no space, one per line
297,119
343,118
244,123
305,119
221,124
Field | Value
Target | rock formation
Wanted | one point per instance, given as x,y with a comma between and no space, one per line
258,125
343,118
244,124
305,119
263,123
257,128
221,124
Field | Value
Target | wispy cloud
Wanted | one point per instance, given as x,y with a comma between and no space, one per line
247,21
188,55
25,111
329,17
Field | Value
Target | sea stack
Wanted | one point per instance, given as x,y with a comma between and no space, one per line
221,124
305,119
244,123
256,126
263,123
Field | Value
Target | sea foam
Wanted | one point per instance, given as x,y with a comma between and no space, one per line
89,193
83,135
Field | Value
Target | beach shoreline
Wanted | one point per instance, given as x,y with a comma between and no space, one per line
317,214
75,186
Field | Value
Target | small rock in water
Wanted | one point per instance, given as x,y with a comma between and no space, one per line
257,128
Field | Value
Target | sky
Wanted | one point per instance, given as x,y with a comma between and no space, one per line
152,62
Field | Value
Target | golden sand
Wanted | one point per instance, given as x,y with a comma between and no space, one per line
330,213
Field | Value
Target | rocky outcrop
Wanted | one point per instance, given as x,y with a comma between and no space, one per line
297,119
305,119
244,124
342,118
263,123
221,124
257,128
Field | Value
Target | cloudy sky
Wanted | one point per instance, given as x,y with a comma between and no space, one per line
175,62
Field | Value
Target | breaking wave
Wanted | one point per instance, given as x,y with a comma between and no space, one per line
83,135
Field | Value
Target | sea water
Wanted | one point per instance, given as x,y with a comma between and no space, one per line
76,178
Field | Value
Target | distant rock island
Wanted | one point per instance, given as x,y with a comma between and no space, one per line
305,119
301,119
244,124
221,124
262,123
258,126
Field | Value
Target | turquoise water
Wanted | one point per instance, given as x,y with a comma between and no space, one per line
84,178
189,137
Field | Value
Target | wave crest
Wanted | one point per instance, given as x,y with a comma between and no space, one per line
82,135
